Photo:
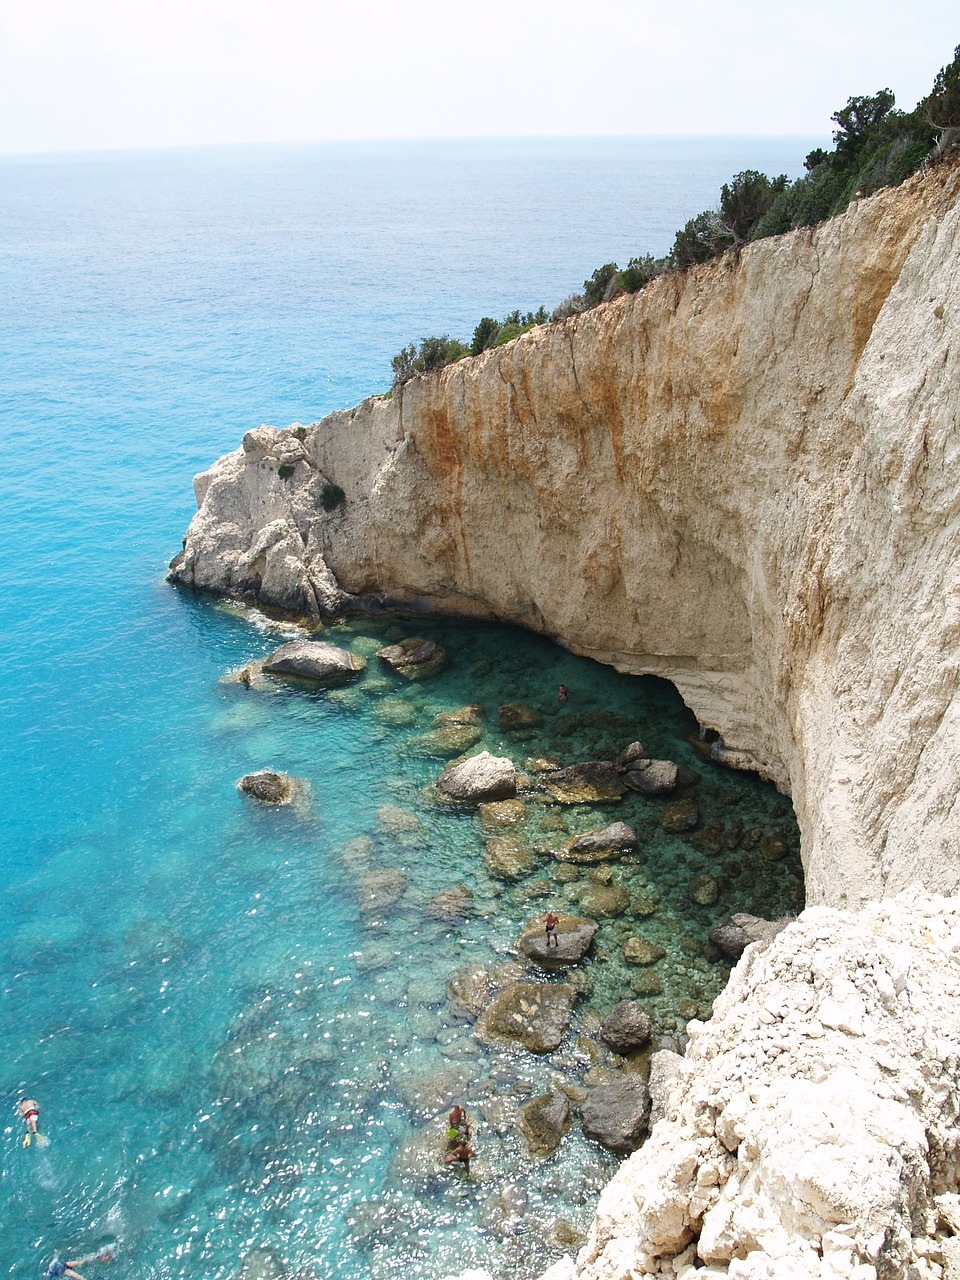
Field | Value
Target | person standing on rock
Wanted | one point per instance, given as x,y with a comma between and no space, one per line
458,1125
550,928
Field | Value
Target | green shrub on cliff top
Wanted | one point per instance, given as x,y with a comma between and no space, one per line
875,145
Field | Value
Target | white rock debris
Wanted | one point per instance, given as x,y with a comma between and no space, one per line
812,1130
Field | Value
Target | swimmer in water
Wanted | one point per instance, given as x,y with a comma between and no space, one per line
30,1114
69,1269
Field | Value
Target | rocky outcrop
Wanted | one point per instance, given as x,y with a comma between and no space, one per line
812,1128
742,478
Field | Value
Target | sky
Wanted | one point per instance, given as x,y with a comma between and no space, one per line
80,75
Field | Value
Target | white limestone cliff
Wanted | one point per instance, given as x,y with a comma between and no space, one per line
743,479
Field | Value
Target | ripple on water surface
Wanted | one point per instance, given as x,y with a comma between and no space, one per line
257,1047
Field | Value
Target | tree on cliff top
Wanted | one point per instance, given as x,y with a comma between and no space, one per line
941,107
433,353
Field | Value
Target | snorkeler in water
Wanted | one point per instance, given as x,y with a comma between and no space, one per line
30,1115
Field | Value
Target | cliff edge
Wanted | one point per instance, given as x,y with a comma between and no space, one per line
743,479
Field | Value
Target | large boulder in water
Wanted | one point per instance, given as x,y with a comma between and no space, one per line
527,1013
601,845
267,787
574,936
650,777
626,1027
314,660
616,1114
593,782
478,778
414,658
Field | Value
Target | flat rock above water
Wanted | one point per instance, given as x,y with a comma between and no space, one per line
650,777
314,660
602,845
479,778
574,936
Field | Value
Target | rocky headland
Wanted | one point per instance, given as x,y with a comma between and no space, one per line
743,479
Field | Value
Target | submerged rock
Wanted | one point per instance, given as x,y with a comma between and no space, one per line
396,820
508,857
593,782
468,991
615,1114
314,660
472,714
626,1027
478,778
414,658
268,787
604,900
544,1122
531,1014
448,740
703,890
651,777
262,1264
574,936
518,715
454,903
502,813
599,846
679,817
379,890
640,951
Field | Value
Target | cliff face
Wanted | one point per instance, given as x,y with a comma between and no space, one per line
743,479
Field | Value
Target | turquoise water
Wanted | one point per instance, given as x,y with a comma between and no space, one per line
226,1054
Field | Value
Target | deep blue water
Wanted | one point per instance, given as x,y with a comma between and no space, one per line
154,306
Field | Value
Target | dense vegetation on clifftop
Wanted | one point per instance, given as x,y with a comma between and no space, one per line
875,145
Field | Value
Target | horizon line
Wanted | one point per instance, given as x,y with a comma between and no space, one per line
435,140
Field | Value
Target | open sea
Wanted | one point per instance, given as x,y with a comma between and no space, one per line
234,1019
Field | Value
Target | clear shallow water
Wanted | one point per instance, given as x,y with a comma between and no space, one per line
151,920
